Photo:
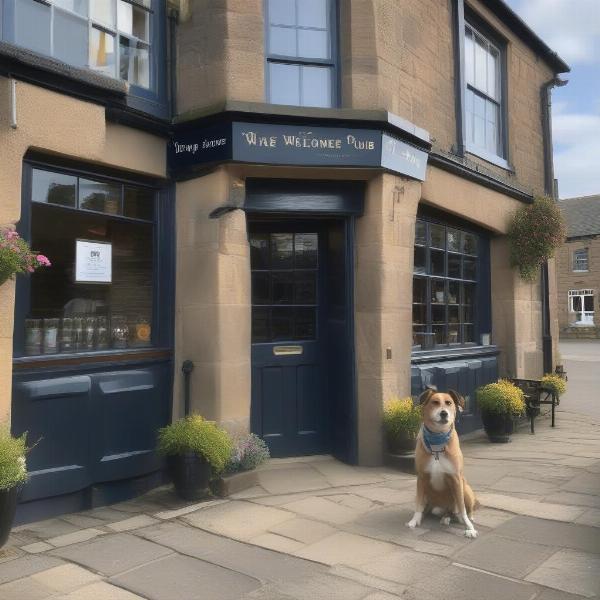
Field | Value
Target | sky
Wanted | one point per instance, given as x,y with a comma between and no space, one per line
572,28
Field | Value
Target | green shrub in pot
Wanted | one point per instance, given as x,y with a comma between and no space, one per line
554,383
196,450
500,403
401,422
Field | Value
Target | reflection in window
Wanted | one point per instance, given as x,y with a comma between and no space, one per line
300,52
444,285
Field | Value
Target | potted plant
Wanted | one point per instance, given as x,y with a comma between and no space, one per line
16,256
13,474
401,422
554,383
196,451
499,404
248,452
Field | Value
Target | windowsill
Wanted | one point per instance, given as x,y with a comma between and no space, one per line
581,271
498,161
84,358
439,354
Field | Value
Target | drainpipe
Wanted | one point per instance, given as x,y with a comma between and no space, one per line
172,59
186,368
549,189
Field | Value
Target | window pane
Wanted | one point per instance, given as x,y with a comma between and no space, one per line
479,121
284,84
469,57
467,314
306,324
453,314
469,244
468,334
282,323
133,20
438,263
313,13
440,335
492,121
588,303
53,188
283,288
493,74
453,334
316,86
469,294
70,38
93,316
469,268
419,314
419,290
453,240
259,251
134,62
102,52
99,196
438,292
420,265
420,233
480,63
77,6
261,288
305,248
282,12
282,252
32,25
313,44
453,292
102,11
282,40
305,287
438,236
138,203
438,313
469,100
454,265
261,330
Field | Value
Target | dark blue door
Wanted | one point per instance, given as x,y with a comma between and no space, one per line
290,410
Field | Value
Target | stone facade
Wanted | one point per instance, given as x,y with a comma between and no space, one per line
567,280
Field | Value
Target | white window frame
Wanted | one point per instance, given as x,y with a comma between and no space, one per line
581,255
587,316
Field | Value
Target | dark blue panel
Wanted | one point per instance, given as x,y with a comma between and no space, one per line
273,423
308,401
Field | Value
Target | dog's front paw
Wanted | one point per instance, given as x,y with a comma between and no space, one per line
414,522
445,521
471,533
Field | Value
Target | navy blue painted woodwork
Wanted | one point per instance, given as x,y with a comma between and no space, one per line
464,375
91,426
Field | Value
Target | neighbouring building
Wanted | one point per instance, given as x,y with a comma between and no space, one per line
307,199
578,269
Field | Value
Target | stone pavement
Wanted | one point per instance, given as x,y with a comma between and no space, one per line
318,529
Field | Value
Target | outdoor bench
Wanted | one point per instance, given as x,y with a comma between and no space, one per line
535,396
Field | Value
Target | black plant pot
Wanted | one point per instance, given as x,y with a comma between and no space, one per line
498,427
190,474
8,507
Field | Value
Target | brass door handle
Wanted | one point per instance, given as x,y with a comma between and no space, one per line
287,350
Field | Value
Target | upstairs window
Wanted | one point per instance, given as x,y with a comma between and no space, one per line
109,36
581,260
483,96
300,52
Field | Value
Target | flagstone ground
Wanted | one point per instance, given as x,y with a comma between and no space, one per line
315,529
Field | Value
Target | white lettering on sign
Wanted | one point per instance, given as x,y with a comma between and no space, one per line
193,148
306,140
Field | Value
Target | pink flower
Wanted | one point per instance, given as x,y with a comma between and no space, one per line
43,260
11,235
30,269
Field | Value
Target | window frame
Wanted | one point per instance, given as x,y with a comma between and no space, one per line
482,297
582,294
163,255
463,18
332,62
582,259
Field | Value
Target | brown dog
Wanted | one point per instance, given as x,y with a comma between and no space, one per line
441,485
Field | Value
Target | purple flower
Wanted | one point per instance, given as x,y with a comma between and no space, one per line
43,260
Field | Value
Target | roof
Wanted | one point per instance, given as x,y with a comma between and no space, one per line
582,215
508,16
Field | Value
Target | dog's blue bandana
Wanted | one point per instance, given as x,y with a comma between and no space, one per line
435,442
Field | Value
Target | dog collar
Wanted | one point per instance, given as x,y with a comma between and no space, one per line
435,442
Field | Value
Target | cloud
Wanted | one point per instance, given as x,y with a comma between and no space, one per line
570,27
576,139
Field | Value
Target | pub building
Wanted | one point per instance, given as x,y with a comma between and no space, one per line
307,199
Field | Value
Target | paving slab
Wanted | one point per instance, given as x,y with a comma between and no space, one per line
523,486
534,508
48,528
503,556
238,519
570,571
76,536
25,589
371,581
136,522
272,541
586,483
65,578
590,517
25,566
100,591
37,547
83,521
574,499
402,566
490,517
321,509
186,510
305,531
551,533
350,500
386,495
338,474
113,554
179,577
283,481
345,548
455,582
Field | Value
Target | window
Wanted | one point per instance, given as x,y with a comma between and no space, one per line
581,308
109,36
98,294
445,285
581,260
300,52
483,95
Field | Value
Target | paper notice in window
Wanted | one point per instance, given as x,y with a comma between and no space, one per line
93,262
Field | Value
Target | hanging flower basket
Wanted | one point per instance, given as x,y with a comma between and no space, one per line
535,232
17,257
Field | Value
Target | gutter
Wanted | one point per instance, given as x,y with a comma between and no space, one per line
550,190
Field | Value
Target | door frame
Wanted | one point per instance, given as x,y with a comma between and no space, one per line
294,201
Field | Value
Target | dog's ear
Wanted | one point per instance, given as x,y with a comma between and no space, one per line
424,397
458,400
